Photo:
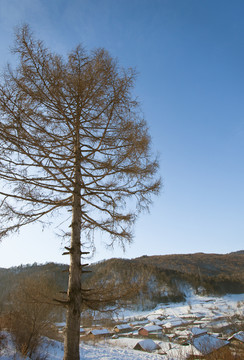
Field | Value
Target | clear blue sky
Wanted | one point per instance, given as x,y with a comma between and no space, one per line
190,58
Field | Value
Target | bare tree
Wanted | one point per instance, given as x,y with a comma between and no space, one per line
72,137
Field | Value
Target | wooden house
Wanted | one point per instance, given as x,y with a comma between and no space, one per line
148,329
208,344
122,328
96,333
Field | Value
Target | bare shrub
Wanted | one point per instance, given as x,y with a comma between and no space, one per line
32,315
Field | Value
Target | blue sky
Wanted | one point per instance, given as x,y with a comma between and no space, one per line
189,55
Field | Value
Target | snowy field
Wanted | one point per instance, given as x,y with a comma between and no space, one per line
88,352
204,311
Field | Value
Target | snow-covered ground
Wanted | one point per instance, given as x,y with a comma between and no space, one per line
196,306
104,351
203,311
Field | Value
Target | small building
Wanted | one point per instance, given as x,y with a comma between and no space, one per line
99,333
146,345
165,346
158,322
174,322
197,331
207,344
122,328
146,330
139,323
183,352
182,336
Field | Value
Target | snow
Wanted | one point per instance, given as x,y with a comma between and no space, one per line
110,353
10,353
87,352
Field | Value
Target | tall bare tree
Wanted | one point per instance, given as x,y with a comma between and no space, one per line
72,137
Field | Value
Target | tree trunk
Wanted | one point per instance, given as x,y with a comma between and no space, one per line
72,331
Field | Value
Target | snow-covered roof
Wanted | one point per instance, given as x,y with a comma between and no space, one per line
99,332
159,322
195,331
173,323
208,343
122,326
151,328
147,345
183,333
238,336
140,322
165,345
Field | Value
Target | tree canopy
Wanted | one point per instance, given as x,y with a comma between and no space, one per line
52,107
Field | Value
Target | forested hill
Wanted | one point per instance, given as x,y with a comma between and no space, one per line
206,273
160,278
204,264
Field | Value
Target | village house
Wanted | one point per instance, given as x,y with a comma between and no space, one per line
182,336
138,324
158,322
122,328
183,352
149,329
173,322
207,344
146,345
96,333
197,331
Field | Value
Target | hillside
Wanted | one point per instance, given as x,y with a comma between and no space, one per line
158,278
204,264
